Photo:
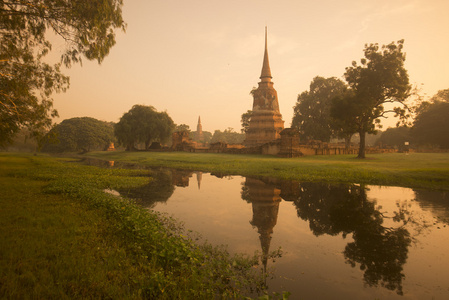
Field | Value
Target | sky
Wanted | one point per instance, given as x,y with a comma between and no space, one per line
203,57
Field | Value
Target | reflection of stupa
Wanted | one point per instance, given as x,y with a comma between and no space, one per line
199,177
265,201
266,121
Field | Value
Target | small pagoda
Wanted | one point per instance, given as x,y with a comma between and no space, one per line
266,121
199,131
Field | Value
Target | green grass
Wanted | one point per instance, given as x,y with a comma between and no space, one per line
62,237
416,170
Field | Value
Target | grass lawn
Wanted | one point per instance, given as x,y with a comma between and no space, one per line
62,237
417,170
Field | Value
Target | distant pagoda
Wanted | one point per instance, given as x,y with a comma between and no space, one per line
266,120
199,131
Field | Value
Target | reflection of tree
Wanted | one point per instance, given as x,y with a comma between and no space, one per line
181,177
436,202
333,209
159,189
381,253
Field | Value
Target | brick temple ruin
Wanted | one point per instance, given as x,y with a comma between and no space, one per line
266,121
266,133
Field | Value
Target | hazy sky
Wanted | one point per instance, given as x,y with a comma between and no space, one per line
202,58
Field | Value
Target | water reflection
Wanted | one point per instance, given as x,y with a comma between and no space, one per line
159,189
265,201
436,202
378,250
378,231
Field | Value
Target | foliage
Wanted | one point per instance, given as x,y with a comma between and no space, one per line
207,136
394,137
22,142
380,79
182,127
143,124
228,136
79,135
26,81
133,252
431,126
440,96
245,119
381,251
311,114
343,114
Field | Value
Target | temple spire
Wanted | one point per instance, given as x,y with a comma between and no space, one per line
266,72
199,131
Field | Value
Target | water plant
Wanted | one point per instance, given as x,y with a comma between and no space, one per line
84,243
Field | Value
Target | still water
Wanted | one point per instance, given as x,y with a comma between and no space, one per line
338,241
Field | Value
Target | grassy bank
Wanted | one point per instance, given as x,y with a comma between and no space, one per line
63,237
417,170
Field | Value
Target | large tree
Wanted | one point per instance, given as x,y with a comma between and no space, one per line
431,126
311,114
143,124
394,137
26,80
344,116
380,78
79,135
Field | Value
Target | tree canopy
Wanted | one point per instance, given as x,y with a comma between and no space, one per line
26,80
182,127
380,78
431,126
79,135
311,114
395,137
228,136
245,119
143,124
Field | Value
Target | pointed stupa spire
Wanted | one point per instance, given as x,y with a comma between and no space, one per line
199,131
266,72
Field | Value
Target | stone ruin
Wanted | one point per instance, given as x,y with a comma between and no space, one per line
266,133
266,121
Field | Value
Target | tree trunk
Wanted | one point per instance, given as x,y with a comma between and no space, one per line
130,146
362,144
348,141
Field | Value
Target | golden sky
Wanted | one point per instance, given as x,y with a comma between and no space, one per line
202,57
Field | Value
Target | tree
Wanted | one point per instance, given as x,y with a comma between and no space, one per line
207,136
245,119
143,124
441,96
228,136
182,127
431,124
79,134
22,142
343,114
395,137
380,79
311,114
26,81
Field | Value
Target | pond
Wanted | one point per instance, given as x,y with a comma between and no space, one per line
337,241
